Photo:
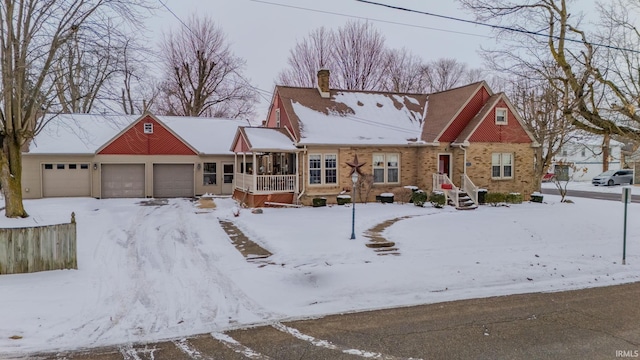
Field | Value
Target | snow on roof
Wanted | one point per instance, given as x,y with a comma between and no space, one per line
207,135
262,138
86,133
78,133
376,119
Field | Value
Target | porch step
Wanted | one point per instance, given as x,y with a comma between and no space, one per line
464,202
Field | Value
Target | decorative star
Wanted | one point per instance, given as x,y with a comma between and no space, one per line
355,165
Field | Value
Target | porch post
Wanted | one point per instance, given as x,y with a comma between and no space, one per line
244,171
254,172
297,175
235,171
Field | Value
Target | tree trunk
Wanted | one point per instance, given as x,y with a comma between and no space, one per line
605,152
11,178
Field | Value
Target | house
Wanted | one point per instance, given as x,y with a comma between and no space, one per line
585,158
456,140
114,156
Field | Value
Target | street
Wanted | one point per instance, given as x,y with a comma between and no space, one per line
596,323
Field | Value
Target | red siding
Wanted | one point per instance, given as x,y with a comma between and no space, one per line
488,131
284,119
135,142
468,113
241,146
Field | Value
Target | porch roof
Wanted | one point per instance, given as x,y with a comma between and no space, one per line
262,139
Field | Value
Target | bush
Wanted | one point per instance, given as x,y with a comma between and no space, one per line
437,199
495,198
317,202
419,197
403,195
513,198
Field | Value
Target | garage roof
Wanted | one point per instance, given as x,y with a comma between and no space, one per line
86,133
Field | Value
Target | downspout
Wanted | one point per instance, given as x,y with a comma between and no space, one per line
464,165
302,173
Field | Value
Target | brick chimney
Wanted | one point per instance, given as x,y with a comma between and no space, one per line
323,83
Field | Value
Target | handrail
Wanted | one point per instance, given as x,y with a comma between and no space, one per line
470,188
450,190
266,183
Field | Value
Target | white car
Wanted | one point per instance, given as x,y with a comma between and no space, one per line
614,177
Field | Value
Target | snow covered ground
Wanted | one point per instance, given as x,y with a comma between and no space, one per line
155,272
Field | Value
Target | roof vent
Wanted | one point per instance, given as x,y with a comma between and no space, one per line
148,128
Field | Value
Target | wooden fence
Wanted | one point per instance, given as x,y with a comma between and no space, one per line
41,248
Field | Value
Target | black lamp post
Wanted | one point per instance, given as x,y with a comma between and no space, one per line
354,180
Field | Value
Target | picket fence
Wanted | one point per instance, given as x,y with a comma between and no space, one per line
40,248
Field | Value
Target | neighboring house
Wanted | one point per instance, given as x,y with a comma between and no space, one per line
113,156
466,137
585,158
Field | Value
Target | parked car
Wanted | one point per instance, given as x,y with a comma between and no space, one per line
614,177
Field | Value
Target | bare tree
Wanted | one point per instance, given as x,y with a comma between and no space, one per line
32,35
139,90
444,74
406,73
202,74
307,57
600,79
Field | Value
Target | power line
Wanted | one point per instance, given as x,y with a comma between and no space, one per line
366,18
498,27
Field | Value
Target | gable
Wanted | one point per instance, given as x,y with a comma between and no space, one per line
134,141
284,116
240,145
489,131
463,118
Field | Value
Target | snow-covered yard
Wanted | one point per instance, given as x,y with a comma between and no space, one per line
148,273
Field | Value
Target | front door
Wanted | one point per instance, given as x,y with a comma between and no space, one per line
444,164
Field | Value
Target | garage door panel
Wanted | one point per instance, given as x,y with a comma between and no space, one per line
66,180
173,180
122,181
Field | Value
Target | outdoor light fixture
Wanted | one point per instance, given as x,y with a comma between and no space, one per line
354,180
199,166
95,166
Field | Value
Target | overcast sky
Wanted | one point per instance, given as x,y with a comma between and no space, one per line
263,32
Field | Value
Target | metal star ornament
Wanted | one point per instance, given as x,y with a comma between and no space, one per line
355,165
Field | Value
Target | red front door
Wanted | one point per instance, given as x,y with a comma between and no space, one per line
444,164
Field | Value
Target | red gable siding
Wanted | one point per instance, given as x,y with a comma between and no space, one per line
284,119
488,131
135,142
241,146
463,118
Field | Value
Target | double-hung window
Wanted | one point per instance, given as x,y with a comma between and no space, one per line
502,165
323,169
209,174
386,168
501,116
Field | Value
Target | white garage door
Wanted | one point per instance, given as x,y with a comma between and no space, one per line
122,180
173,180
66,179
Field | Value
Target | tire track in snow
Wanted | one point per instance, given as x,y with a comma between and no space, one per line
331,346
234,345
185,346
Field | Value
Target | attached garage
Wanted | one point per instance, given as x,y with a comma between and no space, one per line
66,180
173,180
122,181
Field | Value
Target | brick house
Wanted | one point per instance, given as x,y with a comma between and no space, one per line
456,140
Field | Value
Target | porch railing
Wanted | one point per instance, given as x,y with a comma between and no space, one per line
266,183
441,182
470,188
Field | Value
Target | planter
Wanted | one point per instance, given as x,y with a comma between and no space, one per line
446,186
343,199
385,198
537,198
318,202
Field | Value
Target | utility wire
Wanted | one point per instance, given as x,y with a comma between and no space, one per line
498,27
366,18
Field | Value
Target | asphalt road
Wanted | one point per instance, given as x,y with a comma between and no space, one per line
592,195
597,323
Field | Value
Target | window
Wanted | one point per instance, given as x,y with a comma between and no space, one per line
564,152
148,128
386,168
502,165
583,153
277,118
227,176
48,166
60,166
323,169
84,166
73,166
501,116
209,174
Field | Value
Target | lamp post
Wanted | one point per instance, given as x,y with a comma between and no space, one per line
354,179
